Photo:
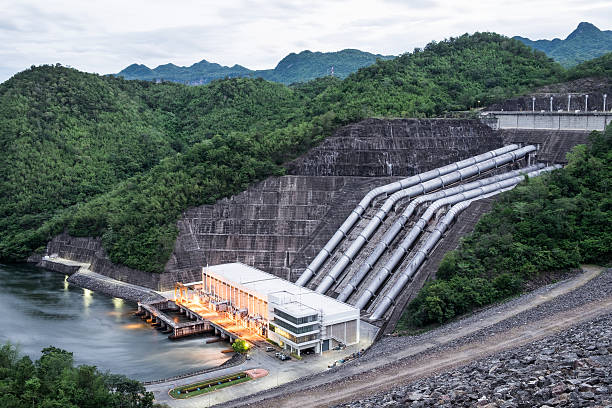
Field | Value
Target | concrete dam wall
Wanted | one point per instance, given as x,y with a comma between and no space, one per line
548,120
280,224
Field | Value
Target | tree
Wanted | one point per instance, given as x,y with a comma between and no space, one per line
240,346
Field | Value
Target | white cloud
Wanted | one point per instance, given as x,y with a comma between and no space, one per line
106,36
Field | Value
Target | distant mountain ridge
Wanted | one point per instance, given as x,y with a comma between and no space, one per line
301,67
584,43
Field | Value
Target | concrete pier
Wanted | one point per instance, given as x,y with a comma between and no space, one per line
154,313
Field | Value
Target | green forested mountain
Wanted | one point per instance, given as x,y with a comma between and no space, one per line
553,222
308,65
102,156
584,43
302,67
199,73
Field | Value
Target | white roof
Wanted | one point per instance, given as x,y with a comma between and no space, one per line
301,301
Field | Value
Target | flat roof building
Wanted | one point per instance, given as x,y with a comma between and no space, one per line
295,317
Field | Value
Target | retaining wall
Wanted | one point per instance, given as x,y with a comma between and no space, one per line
548,120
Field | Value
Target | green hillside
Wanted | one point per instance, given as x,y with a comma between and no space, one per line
584,43
126,168
598,67
302,67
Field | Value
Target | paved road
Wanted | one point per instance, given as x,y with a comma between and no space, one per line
280,372
375,374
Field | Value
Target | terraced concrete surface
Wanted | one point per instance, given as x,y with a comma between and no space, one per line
395,361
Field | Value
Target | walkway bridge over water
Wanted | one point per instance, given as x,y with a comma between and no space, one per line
157,314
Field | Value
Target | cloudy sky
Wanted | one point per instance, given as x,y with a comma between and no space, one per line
106,36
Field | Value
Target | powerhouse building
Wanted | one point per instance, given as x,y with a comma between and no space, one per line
294,317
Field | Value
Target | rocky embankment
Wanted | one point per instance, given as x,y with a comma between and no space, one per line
111,287
572,368
509,336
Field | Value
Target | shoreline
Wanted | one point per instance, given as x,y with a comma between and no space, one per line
80,274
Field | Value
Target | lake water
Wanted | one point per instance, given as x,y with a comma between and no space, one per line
39,308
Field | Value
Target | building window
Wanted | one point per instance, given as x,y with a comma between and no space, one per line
296,330
291,337
296,320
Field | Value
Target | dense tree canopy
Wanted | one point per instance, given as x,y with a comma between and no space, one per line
53,382
598,67
121,159
556,221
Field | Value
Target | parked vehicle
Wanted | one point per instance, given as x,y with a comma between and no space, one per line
268,349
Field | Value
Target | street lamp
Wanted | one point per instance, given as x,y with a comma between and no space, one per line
586,103
605,96
569,101
551,99
533,103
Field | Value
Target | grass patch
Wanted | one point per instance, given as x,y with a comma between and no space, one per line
294,355
203,387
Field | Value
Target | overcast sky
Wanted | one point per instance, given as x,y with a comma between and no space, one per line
106,36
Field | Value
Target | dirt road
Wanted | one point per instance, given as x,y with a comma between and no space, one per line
385,372
386,378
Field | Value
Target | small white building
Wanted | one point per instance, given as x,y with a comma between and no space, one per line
294,317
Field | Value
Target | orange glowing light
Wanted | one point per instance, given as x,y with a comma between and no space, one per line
131,326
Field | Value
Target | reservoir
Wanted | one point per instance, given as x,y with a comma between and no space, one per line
40,309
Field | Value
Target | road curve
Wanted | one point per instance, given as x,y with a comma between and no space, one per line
354,381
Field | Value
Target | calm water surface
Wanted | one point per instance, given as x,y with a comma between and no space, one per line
38,308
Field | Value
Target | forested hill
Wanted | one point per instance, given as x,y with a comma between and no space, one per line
598,67
118,159
294,68
584,43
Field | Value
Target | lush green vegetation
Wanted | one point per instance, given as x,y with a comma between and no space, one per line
294,68
598,67
203,387
553,222
240,346
307,65
53,382
584,43
102,156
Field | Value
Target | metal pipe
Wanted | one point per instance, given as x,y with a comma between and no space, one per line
416,230
398,225
355,215
420,188
432,240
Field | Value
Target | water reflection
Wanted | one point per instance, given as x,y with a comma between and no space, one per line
87,299
45,310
